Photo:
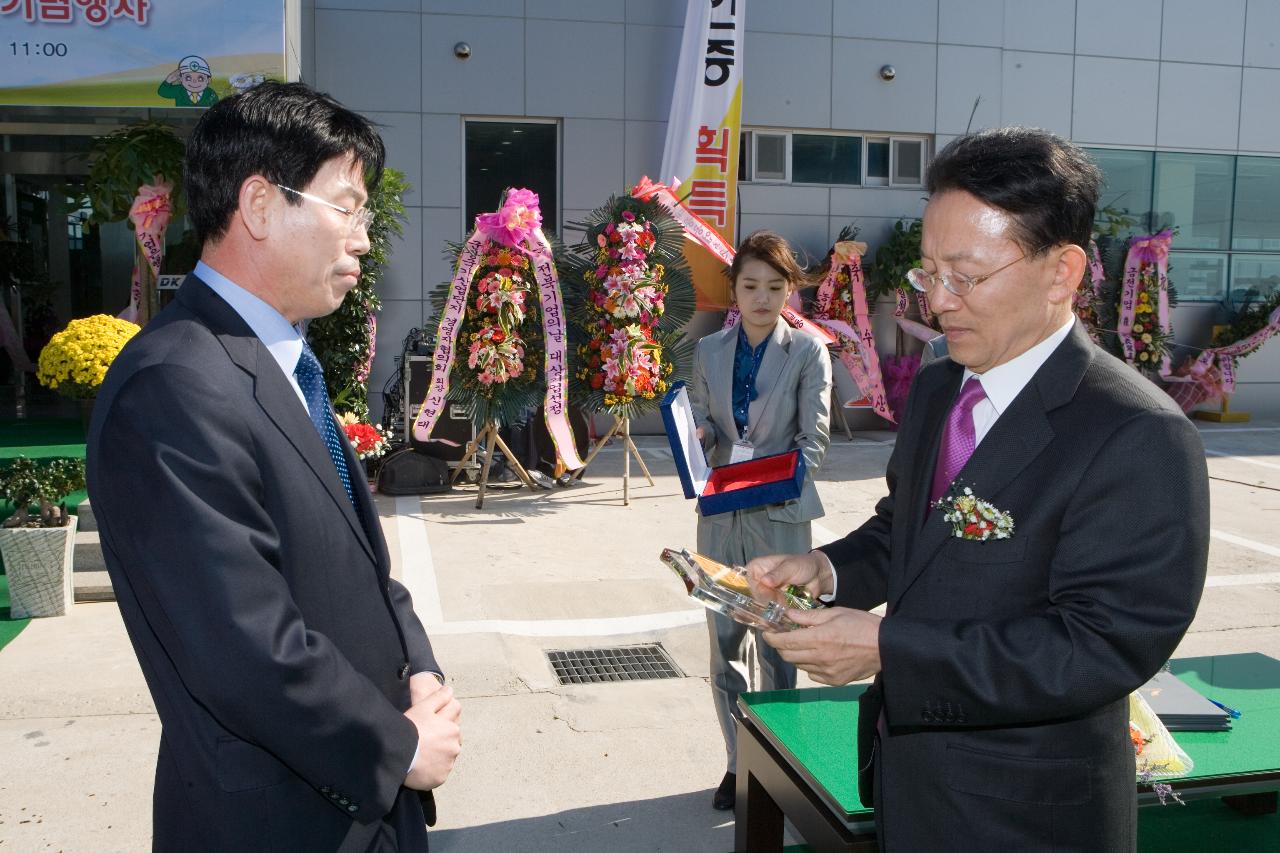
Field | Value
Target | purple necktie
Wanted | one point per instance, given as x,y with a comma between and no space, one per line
958,439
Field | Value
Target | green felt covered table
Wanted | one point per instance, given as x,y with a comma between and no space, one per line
811,733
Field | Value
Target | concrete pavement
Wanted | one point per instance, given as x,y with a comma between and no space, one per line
617,767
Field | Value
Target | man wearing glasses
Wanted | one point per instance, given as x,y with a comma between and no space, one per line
302,707
1042,547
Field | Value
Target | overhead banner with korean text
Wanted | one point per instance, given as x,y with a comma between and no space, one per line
701,150
137,53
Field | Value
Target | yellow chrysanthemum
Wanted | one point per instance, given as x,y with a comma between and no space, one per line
75,360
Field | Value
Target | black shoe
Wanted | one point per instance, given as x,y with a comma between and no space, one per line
726,794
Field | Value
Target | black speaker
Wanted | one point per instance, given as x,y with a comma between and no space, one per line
453,424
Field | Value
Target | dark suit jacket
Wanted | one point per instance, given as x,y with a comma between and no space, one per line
1006,665
276,646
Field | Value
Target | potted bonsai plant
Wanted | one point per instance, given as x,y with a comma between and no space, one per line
38,549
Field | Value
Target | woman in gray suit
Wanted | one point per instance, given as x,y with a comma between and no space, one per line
759,388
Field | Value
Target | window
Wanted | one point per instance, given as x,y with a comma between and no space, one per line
877,162
501,154
826,159
831,159
1127,187
1193,192
1259,273
907,164
1226,210
1199,276
770,163
1256,220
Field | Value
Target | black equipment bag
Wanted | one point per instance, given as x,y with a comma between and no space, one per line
410,472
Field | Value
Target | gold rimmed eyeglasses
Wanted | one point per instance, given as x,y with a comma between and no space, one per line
955,282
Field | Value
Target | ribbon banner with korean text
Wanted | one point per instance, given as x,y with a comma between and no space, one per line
701,148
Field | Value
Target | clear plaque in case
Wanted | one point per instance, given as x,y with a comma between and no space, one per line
725,589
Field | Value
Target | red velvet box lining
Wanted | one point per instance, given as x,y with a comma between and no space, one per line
752,473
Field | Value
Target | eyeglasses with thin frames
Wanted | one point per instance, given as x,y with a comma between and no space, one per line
360,217
955,282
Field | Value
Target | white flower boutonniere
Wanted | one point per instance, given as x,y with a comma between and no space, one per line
972,518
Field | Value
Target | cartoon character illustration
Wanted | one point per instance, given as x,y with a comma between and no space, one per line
188,84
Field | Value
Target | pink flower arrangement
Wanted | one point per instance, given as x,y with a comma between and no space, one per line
495,355
516,221
626,296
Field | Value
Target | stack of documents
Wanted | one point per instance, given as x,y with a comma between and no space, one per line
1181,708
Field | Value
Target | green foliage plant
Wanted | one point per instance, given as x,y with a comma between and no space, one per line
344,340
45,483
901,252
129,158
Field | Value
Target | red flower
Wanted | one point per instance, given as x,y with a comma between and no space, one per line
597,380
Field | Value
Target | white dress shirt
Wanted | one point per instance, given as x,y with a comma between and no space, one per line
281,339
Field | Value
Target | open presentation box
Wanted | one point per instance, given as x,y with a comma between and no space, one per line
741,485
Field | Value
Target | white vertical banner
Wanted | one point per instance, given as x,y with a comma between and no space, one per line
703,128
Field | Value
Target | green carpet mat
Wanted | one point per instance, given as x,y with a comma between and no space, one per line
1198,826
9,628
41,438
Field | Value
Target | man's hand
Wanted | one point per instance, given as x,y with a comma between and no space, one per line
836,646
778,571
422,685
439,736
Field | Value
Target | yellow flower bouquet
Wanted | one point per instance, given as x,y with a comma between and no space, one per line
75,360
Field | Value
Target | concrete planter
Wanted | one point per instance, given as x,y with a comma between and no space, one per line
38,562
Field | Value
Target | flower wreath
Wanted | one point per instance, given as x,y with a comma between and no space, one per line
631,293
500,348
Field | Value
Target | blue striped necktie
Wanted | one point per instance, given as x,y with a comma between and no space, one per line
311,380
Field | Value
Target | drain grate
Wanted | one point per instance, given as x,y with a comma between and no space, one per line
628,663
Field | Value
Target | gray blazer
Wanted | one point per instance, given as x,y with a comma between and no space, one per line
791,411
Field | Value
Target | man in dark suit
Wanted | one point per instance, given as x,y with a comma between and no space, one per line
301,705
998,716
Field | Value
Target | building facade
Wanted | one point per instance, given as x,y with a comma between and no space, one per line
844,103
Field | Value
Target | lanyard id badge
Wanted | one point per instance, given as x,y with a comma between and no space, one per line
743,451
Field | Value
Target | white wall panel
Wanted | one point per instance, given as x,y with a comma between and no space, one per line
402,134
1115,101
576,10
662,13
811,17
796,89
439,225
1199,106
908,20
382,50
1047,25
1127,30
592,162
441,160
974,22
1262,34
850,203
507,8
772,198
1259,118
862,101
652,54
1038,90
573,68
1194,31
491,77
966,75
643,150
402,276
